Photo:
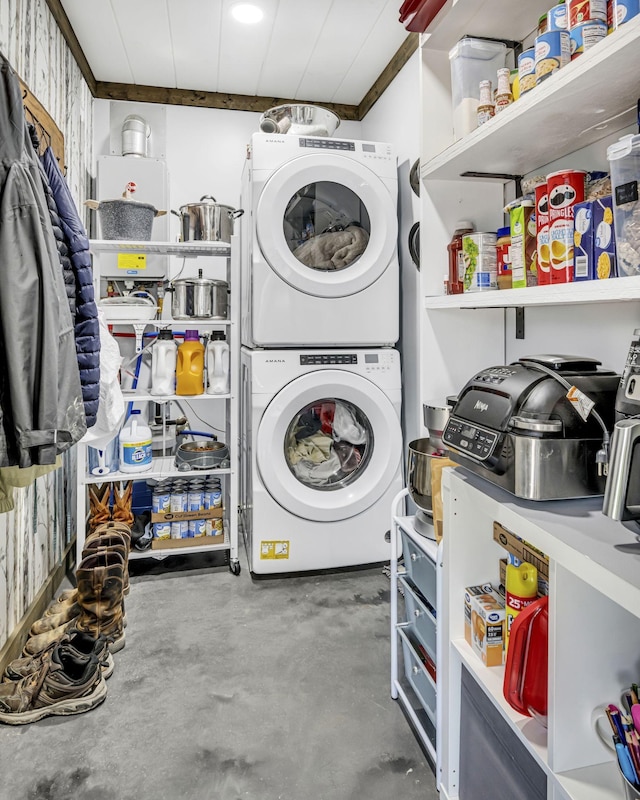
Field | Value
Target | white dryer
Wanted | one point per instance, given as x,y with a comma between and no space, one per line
319,243
321,456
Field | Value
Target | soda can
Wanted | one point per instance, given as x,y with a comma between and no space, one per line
176,530
161,530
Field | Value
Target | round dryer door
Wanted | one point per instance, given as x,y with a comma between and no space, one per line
328,445
327,225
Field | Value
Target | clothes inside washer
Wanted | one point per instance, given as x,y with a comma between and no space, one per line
349,455
324,474
308,424
334,249
345,426
315,448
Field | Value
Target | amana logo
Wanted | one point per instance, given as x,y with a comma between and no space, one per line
480,406
275,361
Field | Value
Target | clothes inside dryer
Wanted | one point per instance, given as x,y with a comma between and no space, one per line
328,444
326,226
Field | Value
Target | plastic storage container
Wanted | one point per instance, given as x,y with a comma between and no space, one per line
164,356
217,356
472,61
624,163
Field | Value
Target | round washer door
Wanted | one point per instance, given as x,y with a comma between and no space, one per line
371,421
326,225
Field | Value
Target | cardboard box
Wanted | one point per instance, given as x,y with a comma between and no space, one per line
503,571
184,516
524,263
170,544
594,240
484,623
522,550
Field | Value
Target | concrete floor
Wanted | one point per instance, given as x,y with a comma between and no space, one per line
233,688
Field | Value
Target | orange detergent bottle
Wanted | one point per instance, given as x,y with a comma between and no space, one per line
190,365
521,589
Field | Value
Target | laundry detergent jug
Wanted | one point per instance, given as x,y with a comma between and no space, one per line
190,365
135,445
164,358
218,364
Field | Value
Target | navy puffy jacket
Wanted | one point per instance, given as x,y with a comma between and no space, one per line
87,329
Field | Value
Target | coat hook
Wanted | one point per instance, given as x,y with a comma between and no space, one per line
24,94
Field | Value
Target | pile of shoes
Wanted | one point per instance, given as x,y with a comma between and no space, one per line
68,655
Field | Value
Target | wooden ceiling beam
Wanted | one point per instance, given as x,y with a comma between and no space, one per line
402,55
62,21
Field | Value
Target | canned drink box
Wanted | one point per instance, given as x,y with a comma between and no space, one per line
161,530
527,70
584,37
552,52
557,18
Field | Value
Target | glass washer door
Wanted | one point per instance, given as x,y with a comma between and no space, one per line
328,184
288,470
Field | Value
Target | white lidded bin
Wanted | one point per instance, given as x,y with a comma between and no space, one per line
624,164
472,60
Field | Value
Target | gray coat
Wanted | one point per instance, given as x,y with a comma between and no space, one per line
41,410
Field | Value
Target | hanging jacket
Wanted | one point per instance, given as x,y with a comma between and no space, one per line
63,250
41,412
87,329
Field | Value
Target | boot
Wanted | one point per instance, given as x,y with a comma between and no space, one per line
99,498
122,503
48,622
114,540
100,578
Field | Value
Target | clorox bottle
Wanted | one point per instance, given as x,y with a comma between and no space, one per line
135,445
521,589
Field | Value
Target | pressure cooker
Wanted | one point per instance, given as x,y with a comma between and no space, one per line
199,298
207,221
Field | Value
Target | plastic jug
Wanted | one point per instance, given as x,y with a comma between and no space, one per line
218,364
521,589
135,445
190,365
164,357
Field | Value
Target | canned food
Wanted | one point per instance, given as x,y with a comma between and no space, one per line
179,500
160,501
197,528
161,530
542,25
624,10
585,36
581,11
557,18
542,235
565,189
195,498
480,262
176,530
212,497
217,526
527,70
552,51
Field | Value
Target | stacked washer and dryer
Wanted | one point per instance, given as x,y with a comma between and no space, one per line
321,449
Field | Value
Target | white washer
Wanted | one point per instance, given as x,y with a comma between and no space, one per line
319,243
321,456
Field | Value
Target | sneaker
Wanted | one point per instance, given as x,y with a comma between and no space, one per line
77,642
36,644
65,684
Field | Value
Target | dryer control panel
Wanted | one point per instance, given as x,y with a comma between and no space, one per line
326,144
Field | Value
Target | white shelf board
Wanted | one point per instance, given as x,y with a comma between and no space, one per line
187,324
597,782
563,114
605,554
532,734
428,546
177,551
610,291
495,19
162,467
132,397
164,248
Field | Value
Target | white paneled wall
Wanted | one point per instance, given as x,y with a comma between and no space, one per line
34,534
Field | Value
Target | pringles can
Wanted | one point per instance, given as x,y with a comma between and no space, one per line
542,235
565,188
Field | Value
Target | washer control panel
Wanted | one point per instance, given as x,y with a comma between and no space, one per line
326,144
329,358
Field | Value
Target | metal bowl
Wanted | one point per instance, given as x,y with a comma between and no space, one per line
202,454
299,119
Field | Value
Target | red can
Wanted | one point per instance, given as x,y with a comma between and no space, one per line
581,11
542,235
565,188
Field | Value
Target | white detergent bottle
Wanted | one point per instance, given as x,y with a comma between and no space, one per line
164,355
135,445
218,364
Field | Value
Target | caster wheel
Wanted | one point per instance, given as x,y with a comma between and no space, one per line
234,566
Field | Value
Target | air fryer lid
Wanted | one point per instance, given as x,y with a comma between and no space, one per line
497,397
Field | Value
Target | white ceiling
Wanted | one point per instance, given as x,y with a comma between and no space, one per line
318,50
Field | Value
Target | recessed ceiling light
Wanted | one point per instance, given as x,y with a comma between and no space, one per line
247,13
